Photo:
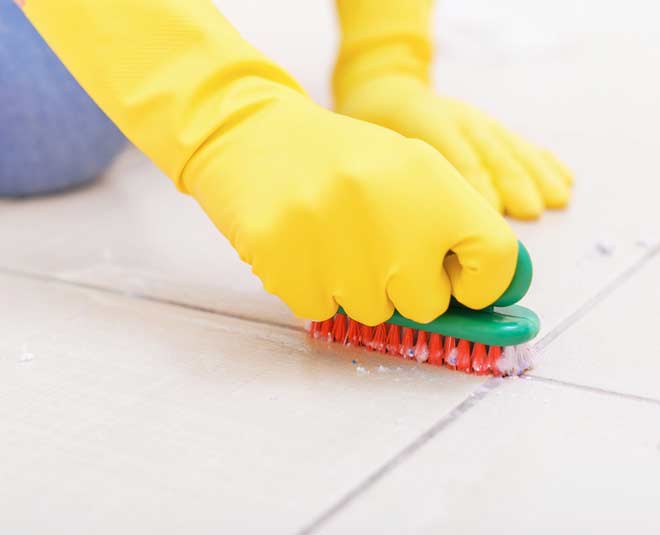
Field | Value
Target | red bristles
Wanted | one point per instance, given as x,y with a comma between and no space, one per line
435,349
463,362
315,329
480,359
410,343
353,333
366,336
393,340
339,329
450,351
325,331
494,354
421,347
380,338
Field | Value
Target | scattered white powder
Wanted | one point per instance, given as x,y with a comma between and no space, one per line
25,356
605,248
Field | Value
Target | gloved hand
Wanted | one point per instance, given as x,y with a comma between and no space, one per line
382,76
328,210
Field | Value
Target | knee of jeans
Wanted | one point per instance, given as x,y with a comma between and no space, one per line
46,160
52,135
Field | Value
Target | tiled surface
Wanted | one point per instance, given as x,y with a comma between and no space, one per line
123,416
132,231
616,345
527,458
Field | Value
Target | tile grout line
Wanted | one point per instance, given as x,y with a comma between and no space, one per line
563,325
481,393
597,298
380,472
443,422
591,389
142,297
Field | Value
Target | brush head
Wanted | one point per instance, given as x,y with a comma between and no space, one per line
485,342
489,341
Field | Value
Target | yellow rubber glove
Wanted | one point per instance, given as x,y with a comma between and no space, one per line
328,210
382,76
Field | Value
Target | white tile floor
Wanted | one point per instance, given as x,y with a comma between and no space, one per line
148,384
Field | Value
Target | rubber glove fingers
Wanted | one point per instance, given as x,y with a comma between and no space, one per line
513,175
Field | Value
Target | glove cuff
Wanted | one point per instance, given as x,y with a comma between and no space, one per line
162,70
382,37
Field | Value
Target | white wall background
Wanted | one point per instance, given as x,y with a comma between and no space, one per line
302,35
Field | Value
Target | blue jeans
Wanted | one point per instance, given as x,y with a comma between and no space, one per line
52,136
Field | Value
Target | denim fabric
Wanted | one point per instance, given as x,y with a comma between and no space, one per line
52,135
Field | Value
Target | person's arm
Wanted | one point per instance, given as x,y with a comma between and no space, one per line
327,210
162,70
382,38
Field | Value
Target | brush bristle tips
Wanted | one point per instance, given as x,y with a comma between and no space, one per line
480,359
421,347
463,353
339,329
427,347
380,338
515,360
394,340
408,343
435,350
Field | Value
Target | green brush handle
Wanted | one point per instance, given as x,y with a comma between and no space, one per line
522,279
506,326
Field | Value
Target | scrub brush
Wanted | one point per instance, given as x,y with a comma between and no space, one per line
491,341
